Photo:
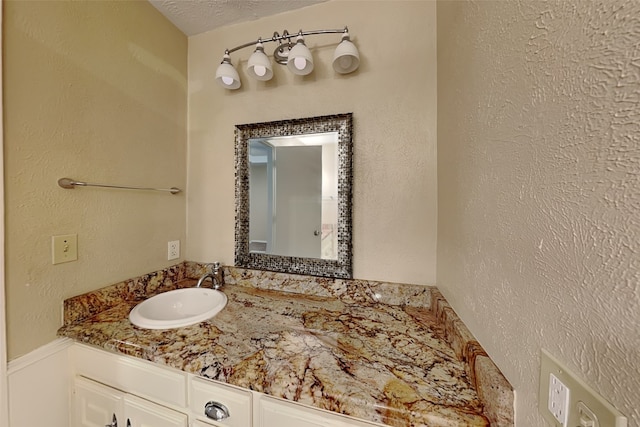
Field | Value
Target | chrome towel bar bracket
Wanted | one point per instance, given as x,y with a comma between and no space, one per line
70,183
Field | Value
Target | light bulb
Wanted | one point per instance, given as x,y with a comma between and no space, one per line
227,80
260,70
345,62
300,63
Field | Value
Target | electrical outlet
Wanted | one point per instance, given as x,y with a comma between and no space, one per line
173,250
64,248
566,400
558,403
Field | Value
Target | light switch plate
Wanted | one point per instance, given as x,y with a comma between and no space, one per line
64,248
579,395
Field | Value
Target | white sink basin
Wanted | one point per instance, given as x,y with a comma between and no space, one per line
181,307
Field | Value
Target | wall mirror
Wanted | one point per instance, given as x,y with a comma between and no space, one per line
293,196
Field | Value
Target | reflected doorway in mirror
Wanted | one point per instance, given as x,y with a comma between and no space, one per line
293,195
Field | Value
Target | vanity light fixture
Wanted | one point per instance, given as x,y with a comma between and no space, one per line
300,61
226,75
259,65
295,55
346,58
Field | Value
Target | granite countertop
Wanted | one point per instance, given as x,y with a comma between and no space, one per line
380,362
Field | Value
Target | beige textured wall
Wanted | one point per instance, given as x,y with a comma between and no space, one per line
95,91
392,97
539,188
4,398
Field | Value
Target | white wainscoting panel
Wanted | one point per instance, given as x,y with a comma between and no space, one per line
39,387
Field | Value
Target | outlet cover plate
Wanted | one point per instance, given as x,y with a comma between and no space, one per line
578,393
173,250
558,400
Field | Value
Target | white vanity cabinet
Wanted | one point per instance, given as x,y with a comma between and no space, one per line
97,405
150,395
105,383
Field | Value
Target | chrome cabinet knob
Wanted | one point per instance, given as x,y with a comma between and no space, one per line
114,422
216,411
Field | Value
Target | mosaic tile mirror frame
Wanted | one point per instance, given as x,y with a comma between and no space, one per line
341,267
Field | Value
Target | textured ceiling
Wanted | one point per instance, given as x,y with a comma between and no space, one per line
198,16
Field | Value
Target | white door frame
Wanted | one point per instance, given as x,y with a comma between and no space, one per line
4,405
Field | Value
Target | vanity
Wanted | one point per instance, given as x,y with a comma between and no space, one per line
299,343
287,350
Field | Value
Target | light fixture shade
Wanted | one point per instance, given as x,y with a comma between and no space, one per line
300,61
346,58
259,65
226,75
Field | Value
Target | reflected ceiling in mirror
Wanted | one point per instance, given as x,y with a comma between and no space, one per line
293,196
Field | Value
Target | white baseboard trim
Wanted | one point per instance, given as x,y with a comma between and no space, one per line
23,362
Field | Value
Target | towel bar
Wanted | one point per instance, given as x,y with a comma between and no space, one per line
70,183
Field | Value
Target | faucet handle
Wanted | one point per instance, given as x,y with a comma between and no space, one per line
211,267
218,274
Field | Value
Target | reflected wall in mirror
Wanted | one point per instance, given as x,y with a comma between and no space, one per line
293,196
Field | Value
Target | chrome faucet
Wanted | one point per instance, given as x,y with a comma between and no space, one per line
216,275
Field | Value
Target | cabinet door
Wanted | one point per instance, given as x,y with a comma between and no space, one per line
142,413
95,405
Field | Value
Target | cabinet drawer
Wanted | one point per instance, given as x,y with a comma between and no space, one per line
163,385
238,402
280,413
197,423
